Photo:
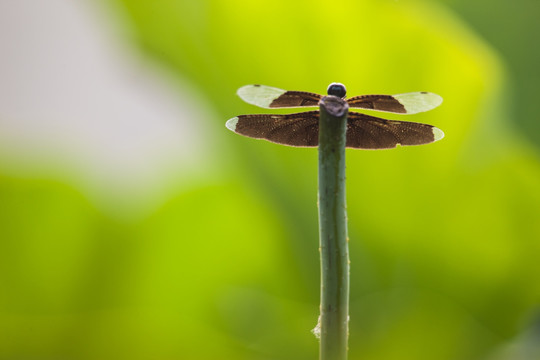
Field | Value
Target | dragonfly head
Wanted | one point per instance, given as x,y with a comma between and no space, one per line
337,89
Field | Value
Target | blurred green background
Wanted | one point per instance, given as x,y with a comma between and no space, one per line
134,225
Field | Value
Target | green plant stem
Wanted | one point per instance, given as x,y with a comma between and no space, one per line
334,318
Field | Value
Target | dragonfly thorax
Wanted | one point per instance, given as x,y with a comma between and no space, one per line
337,89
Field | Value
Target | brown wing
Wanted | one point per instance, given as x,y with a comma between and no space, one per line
409,103
296,99
369,132
301,129
377,102
270,97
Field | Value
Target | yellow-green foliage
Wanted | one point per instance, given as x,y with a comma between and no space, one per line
444,238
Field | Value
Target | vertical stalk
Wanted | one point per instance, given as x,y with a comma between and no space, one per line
334,318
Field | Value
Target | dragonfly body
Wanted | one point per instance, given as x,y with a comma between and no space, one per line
363,131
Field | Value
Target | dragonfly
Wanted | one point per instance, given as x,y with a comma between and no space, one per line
363,131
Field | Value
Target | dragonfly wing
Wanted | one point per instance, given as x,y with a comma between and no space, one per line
369,132
410,103
269,97
301,129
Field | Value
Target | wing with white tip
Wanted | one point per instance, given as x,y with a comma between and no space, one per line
301,130
410,103
269,97
369,132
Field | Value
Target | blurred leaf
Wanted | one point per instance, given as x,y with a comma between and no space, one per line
444,238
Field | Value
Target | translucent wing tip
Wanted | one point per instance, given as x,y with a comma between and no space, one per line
419,101
433,99
438,134
231,124
259,95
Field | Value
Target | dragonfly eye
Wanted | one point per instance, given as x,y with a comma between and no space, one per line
337,89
